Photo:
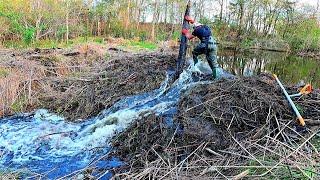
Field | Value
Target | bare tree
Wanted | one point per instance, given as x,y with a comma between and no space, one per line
221,3
154,19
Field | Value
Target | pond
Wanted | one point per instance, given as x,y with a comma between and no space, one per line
290,69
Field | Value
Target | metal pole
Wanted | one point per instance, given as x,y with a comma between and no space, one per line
296,95
301,120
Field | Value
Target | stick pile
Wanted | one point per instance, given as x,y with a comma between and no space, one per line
230,129
76,83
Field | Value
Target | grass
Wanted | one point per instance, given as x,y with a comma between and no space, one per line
46,43
20,104
134,45
139,45
283,172
316,142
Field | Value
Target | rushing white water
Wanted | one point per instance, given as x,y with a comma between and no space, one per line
44,143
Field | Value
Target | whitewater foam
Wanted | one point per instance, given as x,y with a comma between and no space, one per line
45,142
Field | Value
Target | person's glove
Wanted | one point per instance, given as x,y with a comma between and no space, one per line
185,31
189,19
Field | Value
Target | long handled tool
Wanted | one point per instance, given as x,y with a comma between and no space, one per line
306,90
303,91
183,44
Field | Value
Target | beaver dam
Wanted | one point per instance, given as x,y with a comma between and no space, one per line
140,124
226,129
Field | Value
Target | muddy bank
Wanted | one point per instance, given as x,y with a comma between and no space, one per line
315,55
80,82
227,129
273,45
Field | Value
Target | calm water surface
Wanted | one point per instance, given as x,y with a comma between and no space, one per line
290,69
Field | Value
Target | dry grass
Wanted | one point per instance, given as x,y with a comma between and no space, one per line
23,74
17,85
77,83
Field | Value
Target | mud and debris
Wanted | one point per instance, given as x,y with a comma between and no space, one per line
90,93
227,129
77,83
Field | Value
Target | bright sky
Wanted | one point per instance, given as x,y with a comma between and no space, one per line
309,6
308,2
212,9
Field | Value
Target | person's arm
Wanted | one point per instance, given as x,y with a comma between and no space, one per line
186,31
187,34
189,19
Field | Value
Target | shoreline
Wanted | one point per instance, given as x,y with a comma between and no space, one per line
61,69
235,47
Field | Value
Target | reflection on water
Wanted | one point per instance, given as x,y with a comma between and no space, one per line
290,69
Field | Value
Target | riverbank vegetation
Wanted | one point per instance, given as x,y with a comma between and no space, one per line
279,25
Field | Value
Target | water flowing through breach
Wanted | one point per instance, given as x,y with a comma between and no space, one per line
44,143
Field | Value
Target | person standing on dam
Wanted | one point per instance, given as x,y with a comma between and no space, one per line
207,45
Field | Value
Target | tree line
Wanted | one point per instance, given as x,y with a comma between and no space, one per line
242,21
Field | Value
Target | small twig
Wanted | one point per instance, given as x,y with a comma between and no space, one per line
241,175
213,99
213,152
171,140
296,150
245,149
182,161
159,155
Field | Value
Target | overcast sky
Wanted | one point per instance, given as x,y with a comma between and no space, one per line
309,2
213,9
